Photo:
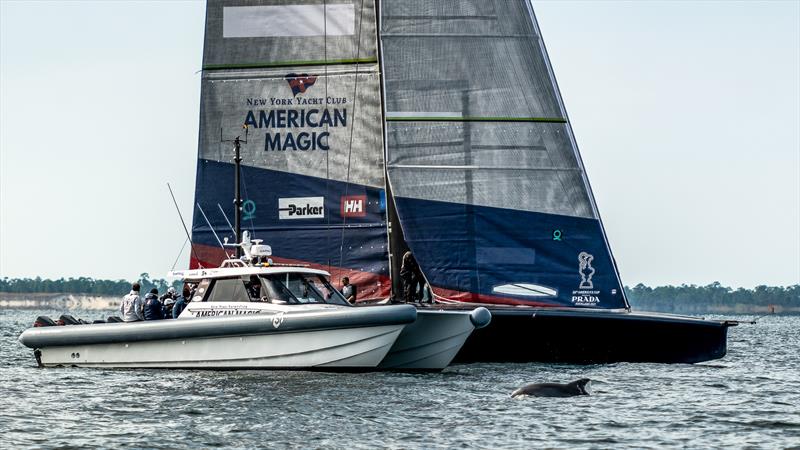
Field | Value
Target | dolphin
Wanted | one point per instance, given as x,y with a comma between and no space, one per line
578,387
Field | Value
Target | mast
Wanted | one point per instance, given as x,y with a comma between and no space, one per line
237,199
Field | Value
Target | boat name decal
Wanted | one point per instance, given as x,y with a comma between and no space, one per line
224,312
297,118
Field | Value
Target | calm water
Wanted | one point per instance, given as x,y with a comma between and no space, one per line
750,398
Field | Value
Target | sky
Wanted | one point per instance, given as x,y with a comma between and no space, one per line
687,116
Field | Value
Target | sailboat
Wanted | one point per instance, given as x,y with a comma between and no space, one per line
375,128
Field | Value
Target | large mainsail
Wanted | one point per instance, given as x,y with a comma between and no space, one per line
486,176
304,80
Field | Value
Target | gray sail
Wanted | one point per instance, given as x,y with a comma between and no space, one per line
301,83
485,173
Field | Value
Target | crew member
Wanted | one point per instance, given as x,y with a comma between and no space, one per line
254,288
349,291
131,306
168,300
181,301
412,278
153,309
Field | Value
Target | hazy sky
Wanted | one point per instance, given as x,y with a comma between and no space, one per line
687,115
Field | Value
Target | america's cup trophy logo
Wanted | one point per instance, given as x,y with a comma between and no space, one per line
586,270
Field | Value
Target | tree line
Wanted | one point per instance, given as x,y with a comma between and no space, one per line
683,298
713,298
84,285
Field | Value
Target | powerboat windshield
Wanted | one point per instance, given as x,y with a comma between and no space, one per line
297,288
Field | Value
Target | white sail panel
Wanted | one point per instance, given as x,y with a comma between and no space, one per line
255,33
288,20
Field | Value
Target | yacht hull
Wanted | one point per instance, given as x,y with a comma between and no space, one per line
339,348
520,334
434,339
350,338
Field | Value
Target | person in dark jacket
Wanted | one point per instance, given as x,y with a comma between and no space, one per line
181,301
153,309
412,279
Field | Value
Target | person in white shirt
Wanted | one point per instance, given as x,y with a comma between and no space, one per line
131,306
349,290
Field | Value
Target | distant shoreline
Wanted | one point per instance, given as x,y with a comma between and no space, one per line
68,301
736,309
14,300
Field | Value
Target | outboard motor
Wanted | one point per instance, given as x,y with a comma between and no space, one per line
43,321
66,319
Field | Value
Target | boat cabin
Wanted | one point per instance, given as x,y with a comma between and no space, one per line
273,285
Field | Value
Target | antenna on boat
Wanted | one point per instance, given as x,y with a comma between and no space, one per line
191,244
237,199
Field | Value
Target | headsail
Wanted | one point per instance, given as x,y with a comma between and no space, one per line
304,80
486,176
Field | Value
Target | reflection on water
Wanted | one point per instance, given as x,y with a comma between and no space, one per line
748,398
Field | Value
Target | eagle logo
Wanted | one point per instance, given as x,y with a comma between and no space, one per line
299,83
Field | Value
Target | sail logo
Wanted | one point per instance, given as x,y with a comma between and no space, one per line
248,210
586,270
585,295
299,83
353,206
301,208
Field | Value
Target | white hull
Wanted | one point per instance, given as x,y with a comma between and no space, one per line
362,347
432,341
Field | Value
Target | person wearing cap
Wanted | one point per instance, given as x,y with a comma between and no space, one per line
168,300
131,307
153,309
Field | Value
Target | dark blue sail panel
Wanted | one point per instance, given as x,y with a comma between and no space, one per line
332,225
496,255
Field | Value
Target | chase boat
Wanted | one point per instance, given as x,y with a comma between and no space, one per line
253,314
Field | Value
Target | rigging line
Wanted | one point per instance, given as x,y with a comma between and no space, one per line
179,254
226,218
327,153
212,229
352,129
194,255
